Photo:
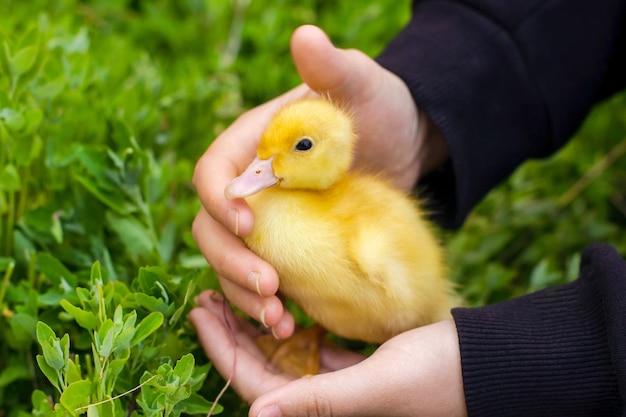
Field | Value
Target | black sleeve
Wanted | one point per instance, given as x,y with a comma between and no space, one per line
557,352
505,81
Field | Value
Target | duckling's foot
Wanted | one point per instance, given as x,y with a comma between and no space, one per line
298,355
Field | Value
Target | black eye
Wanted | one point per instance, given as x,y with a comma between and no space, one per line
304,144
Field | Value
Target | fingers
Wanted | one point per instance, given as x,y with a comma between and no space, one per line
230,257
228,156
217,225
415,373
228,344
268,311
344,74
248,281
223,160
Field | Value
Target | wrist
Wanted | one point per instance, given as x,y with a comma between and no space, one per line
433,151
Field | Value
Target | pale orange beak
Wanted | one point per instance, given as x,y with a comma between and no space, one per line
258,176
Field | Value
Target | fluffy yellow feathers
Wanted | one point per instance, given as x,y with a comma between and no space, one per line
350,249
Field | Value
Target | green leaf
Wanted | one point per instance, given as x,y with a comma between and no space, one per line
12,373
23,329
23,60
135,236
5,53
180,310
199,375
154,304
5,263
542,276
75,396
55,351
123,135
28,148
73,372
41,403
117,202
118,318
54,270
79,43
196,404
10,179
53,354
50,90
12,119
116,366
96,273
50,299
106,334
50,373
126,332
184,368
183,392
85,319
44,332
146,327
65,348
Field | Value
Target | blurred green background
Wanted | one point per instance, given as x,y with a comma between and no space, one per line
105,106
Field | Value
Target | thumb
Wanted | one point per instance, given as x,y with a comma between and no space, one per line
344,73
358,390
320,395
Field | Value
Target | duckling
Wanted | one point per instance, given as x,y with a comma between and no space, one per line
352,251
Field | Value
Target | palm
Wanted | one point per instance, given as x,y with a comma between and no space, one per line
229,340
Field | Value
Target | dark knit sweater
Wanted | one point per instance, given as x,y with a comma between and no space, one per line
557,352
505,81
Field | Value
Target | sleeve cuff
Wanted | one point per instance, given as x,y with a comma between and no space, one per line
554,352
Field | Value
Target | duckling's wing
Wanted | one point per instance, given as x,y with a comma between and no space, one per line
373,252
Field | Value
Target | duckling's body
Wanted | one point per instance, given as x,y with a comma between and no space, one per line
351,250
356,257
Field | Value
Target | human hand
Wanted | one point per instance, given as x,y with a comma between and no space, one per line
391,141
417,373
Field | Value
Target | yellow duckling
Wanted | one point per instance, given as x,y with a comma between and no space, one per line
351,250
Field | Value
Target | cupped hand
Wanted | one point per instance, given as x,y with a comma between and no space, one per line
390,141
417,373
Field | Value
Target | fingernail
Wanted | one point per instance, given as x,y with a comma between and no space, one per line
262,317
274,334
254,282
233,220
271,411
217,297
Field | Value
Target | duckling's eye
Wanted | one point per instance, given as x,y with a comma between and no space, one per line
304,144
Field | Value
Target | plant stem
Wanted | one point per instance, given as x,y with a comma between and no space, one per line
117,396
21,206
596,170
5,281
8,238
2,231
234,36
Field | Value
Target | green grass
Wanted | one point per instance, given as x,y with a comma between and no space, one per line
528,233
106,105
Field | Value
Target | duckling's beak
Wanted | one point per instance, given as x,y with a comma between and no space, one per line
258,176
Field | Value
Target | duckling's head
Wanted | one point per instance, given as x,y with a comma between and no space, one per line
307,145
